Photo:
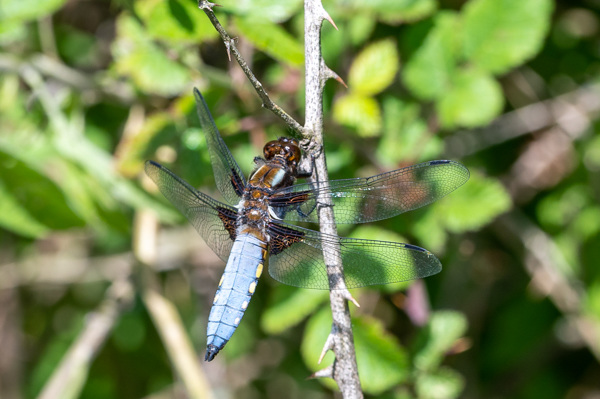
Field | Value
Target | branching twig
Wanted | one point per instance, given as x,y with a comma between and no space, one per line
207,7
341,341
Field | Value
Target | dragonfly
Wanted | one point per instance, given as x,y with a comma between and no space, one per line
256,225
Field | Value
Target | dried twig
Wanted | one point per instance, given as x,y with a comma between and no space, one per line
207,7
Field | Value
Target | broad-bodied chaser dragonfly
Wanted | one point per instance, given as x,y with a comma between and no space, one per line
253,228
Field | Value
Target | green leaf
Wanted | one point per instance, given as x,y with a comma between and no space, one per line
501,34
147,65
289,306
558,209
405,134
382,362
592,301
391,11
442,331
374,68
358,112
315,334
360,28
430,231
12,31
429,71
27,10
473,100
15,218
259,10
272,39
473,205
174,20
444,383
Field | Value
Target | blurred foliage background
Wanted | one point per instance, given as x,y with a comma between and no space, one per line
97,302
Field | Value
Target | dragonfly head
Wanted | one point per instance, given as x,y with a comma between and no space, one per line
284,149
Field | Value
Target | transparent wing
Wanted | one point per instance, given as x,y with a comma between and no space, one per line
296,258
214,220
373,198
228,175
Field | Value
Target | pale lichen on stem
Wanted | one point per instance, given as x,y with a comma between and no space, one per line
340,340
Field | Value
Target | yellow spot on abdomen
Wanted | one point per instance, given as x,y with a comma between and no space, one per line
252,287
236,321
244,304
216,298
221,281
259,270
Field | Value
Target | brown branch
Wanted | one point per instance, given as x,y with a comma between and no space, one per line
207,7
341,340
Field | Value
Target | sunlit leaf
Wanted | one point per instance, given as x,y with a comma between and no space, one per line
148,65
407,10
430,230
501,34
559,208
443,383
374,68
272,39
393,11
406,137
473,99
289,306
27,10
473,205
274,11
359,112
382,361
592,301
360,27
429,71
440,334
15,218
12,31
175,20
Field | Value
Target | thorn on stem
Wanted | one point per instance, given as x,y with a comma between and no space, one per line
348,296
327,347
328,17
228,45
324,373
331,74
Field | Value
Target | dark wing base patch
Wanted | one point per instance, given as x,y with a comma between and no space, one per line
282,238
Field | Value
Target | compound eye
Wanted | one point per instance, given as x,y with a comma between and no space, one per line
270,149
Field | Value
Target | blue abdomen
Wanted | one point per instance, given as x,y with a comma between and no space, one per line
236,287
